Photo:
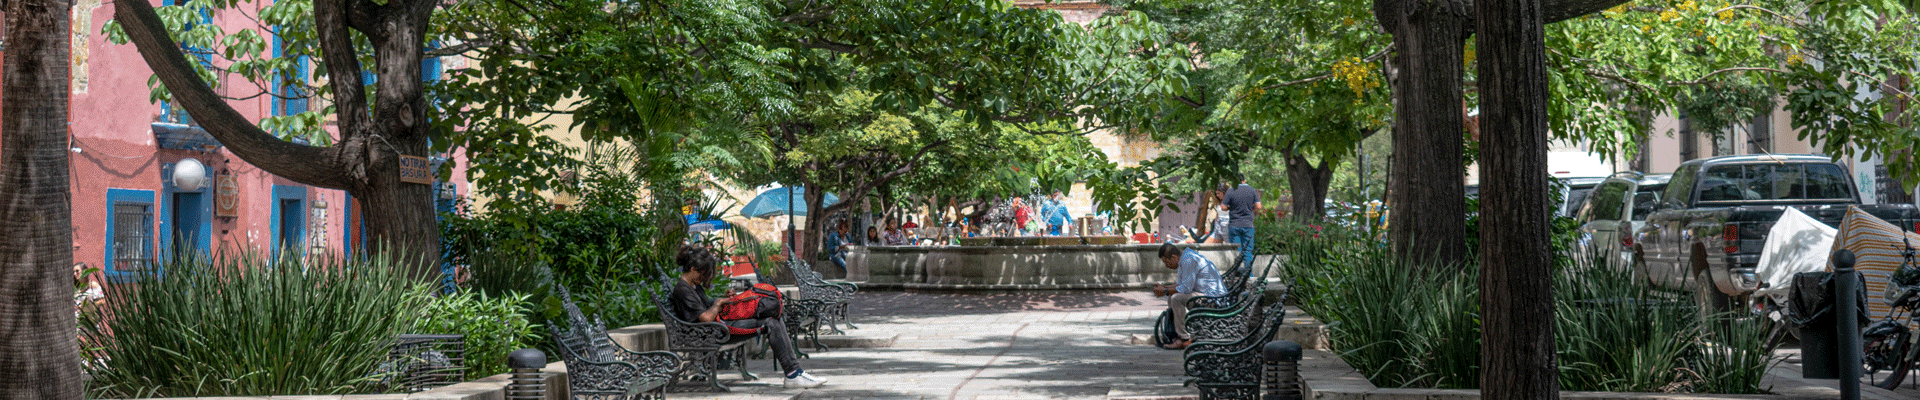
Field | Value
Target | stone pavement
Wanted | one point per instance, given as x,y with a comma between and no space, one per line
1064,345
971,346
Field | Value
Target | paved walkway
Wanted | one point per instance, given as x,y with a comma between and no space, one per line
965,346
1010,346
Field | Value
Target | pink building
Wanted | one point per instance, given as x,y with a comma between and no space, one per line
127,154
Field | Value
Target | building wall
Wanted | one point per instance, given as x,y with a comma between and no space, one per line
116,157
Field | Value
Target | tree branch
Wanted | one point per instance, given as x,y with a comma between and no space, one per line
301,163
458,48
1705,78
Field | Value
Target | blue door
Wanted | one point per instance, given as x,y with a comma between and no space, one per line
189,222
291,222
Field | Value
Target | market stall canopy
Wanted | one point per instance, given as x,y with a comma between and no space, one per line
773,202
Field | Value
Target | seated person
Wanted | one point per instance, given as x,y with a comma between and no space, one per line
837,243
690,303
1198,277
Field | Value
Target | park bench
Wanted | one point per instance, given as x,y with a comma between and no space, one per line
599,369
1227,316
1236,282
1231,370
704,347
836,295
419,362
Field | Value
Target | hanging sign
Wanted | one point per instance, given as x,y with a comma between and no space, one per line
226,196
415,169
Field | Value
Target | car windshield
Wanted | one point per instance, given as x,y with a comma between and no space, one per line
1604,202
1747,182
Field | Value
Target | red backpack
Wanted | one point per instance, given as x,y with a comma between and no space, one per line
761,300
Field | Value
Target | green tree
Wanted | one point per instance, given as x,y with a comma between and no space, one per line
378,121
39,356
1272,75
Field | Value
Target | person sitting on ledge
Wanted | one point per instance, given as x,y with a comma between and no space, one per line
690,300
1198,277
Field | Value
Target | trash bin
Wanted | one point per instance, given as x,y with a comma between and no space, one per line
1810,308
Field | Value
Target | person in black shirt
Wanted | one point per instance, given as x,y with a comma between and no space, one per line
690,303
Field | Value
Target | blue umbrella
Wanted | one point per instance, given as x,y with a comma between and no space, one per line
778,201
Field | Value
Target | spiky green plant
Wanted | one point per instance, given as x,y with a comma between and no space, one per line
1612,331
244,324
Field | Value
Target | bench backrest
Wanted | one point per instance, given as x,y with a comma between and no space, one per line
587,336
683,335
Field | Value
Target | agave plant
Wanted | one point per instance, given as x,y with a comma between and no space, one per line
244,324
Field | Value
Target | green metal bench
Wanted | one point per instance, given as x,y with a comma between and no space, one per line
1231,370
599,369
837,295
704,347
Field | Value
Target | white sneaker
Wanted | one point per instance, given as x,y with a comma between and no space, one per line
805,380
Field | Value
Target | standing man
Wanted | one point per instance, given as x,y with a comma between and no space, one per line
1058,219
1242,203
1198,277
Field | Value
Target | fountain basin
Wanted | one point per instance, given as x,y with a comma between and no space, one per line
1019,267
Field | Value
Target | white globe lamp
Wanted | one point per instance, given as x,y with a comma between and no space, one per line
189,175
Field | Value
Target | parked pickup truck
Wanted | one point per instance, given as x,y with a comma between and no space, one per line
1707,230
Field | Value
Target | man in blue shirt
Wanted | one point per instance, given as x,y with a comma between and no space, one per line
1242,203
1198,277
837,242
1058,219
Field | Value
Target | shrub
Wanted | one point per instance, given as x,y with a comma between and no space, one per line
493,327
1612,333
244,325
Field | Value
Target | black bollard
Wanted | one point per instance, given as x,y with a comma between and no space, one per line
1846,293
1281,376
528,383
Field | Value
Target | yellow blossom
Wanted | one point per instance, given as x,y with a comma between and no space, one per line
1668,15
1725,15
1688,6
1794,59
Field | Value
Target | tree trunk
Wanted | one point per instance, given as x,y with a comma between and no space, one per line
816,217
400,216
1427,193
40,358
1516,289
1309,186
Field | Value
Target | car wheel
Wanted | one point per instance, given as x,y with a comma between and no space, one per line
1713,305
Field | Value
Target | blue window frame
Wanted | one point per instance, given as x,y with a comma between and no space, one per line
289,220
290,99
129,242
167,112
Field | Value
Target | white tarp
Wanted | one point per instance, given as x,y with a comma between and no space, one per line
1797,243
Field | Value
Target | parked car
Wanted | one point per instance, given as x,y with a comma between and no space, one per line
1575,194
1614,210
1707,229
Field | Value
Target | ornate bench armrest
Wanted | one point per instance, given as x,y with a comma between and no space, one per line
603,377
1242,365
658,365
702,336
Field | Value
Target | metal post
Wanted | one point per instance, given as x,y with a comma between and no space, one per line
528,383
793,247
1846,290
1280,379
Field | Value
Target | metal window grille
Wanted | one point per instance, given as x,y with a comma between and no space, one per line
132,236
422,362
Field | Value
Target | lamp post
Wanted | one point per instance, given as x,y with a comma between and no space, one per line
793,252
